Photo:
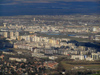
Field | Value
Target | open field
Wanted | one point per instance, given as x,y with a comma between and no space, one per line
81,65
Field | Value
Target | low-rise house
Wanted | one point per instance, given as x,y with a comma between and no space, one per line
50,64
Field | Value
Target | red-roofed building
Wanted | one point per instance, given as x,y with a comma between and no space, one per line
50,64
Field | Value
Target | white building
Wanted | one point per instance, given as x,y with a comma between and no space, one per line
78,57
5,34
96,56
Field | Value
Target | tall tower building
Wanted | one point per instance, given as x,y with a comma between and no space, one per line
11,34
4,24
17,34
34,19
5,34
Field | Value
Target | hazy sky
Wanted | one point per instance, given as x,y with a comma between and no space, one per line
48,7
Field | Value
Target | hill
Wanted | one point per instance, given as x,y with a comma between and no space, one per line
10,2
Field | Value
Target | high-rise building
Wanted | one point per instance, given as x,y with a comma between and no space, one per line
5,34
17,34
4,24
34,19
11,34
96,56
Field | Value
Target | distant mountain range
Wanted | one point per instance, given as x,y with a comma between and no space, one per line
40,1
48,7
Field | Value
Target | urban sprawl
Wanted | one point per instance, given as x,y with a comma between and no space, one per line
35,43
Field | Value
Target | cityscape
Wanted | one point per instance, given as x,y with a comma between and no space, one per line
67,44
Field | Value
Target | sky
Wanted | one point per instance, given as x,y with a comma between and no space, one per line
48,7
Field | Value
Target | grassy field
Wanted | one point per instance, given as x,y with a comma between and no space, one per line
16,50
95,74
92,65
